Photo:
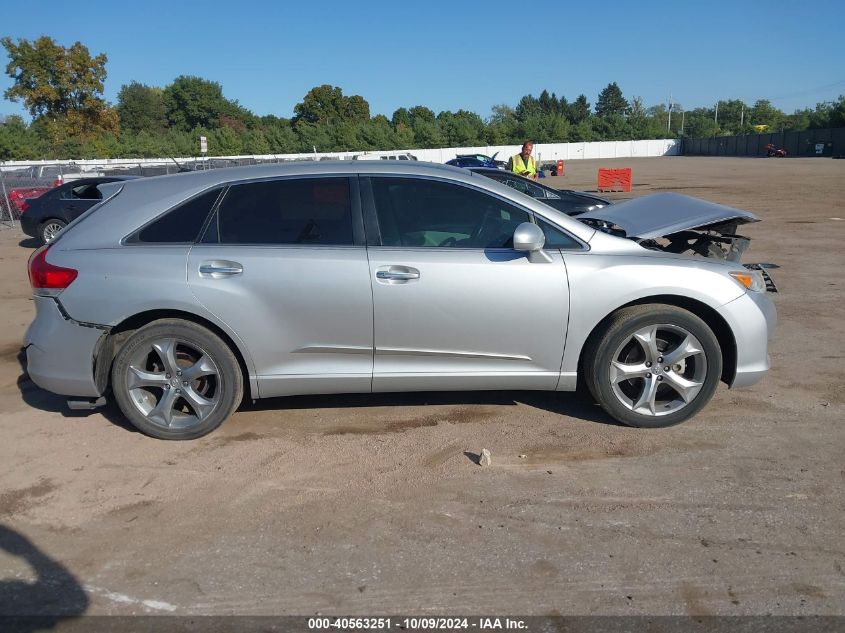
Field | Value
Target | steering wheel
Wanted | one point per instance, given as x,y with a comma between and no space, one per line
449,241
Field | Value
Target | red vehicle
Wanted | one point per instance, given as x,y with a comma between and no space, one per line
771,151
19,195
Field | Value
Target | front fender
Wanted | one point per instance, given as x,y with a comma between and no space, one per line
601,284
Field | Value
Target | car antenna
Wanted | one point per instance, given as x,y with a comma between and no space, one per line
182,170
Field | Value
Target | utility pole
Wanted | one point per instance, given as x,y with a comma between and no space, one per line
741,118
716,118
683,114
669,124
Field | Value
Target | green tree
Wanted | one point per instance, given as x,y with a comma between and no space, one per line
193,101
611,102
401,117
502,126
580,110
141,107
50,79
731,115
18,141
326,104
62,88
764,113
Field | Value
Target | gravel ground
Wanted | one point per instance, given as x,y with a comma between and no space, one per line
373,504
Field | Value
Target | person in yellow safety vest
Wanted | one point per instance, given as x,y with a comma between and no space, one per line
523,163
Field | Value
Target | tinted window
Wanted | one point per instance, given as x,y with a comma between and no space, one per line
292,211
555,238
522,185
183,223
418,212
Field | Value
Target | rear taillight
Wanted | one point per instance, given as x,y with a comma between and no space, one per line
57,182
48,277
24,207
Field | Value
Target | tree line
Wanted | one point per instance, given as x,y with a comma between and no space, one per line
62,89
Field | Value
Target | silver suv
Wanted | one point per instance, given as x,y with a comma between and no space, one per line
178,293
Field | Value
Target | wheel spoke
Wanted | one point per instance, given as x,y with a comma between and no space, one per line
202,406
647,339
162,413
688,347
166,350
687,389
627,371
203,367
141,378
646,401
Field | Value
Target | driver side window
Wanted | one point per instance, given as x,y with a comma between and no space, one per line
416,212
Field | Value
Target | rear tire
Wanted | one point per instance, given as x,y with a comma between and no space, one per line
49,229
653,365
176,380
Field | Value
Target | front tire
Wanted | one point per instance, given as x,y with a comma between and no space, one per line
176,380
653,365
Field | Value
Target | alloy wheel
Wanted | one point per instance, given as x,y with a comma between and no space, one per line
658,370
173,383
50,231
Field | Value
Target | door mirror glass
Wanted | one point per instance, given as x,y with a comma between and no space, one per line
528,237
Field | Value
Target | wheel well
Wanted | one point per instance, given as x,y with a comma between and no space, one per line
713,319
125,328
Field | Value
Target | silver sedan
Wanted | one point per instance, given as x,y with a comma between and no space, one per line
179,294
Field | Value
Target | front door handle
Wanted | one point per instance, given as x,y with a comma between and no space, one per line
218,269
397,273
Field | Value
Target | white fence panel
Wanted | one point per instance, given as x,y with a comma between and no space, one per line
545,152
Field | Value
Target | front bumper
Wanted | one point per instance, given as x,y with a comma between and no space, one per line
752,318
60,352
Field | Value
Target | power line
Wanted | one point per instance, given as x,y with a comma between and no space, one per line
809,91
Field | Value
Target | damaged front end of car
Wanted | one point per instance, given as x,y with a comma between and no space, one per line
683,225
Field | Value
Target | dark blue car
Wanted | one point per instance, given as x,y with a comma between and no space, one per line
476,160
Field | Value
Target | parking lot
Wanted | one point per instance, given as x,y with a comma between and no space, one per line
374,504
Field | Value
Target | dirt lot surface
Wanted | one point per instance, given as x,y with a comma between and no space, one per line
372,505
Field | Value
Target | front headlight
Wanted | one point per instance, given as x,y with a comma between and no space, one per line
750,280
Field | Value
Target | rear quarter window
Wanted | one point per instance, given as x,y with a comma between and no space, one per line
182,224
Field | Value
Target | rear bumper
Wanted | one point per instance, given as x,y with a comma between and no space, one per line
29,225
60,352
753,319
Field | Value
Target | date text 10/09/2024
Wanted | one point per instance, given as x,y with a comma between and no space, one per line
415,623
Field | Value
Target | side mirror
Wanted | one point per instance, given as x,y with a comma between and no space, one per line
530,238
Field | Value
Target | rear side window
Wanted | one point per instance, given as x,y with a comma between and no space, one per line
181,224
315,211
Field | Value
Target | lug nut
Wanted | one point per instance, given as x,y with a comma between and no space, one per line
660,378
167,386
659,359
648,363
178,391
167,376
667,368
185,382
179,373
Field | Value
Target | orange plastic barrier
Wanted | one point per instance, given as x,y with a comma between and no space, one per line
615,179
559,170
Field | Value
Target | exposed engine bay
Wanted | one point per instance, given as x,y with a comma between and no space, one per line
675,223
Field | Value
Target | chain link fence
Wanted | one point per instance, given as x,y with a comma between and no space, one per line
19,183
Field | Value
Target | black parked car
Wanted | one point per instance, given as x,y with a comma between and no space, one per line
52,211
565,200
476,160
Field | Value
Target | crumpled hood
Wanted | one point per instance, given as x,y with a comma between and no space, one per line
659,214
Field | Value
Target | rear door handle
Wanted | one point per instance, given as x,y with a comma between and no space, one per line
397,273
218,269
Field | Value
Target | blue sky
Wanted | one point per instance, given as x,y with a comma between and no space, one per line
451,55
